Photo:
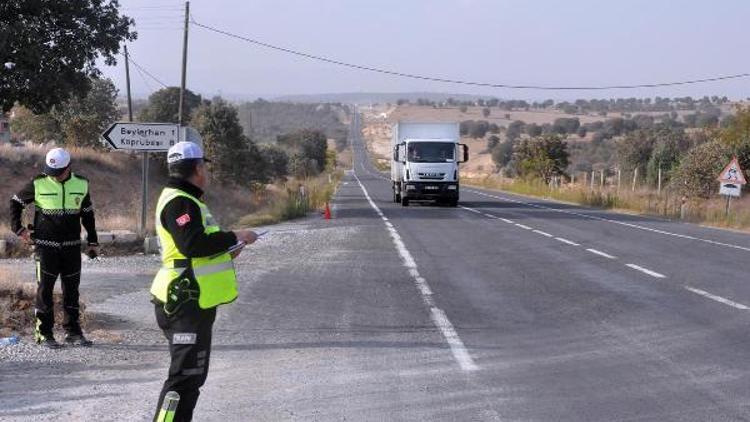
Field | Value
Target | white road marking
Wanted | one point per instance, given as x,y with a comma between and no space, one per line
718,298
622,223
438,316
542,233
470,209
600,253
505,220
523,227
566,241
646,271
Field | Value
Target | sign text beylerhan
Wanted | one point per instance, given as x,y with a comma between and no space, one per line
129,137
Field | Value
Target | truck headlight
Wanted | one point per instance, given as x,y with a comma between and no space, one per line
452,187
410,187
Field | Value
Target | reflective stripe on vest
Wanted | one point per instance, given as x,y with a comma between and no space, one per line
217,281
55,198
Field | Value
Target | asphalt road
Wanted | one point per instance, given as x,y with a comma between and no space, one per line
504,309
573,314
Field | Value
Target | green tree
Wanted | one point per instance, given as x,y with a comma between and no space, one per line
634,151
164,104
235,159
32,127
276,159
48,49
78,121
502,153
542,157
307,151
82,120
696,175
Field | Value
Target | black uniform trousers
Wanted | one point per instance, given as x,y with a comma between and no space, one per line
52,262
188,331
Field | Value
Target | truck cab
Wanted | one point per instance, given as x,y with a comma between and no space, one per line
425,162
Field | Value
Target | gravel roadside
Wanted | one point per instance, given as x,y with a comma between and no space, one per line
119,378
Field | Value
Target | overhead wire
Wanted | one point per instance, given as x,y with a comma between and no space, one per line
459,81
129,57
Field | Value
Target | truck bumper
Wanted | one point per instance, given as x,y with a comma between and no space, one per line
430,190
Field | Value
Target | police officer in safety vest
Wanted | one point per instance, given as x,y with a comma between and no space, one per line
196,276
62,203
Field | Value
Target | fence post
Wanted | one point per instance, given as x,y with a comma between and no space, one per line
635,178
658,189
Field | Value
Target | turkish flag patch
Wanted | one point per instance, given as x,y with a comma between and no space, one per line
183,219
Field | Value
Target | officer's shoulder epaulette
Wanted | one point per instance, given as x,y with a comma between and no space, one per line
80,176
40,176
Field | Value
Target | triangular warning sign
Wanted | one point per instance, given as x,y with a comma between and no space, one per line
733,173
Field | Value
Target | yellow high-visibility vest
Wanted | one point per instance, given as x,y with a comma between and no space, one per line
217,280
60,198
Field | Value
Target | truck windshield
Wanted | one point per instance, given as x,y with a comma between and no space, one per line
431,152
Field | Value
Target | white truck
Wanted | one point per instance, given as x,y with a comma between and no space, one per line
425,162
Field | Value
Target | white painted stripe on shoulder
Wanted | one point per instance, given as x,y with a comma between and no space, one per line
600,253
718,298
646,271
451,336
523,226
505,220
542,233
566,241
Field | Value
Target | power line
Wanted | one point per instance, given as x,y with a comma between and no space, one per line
464,82
141,68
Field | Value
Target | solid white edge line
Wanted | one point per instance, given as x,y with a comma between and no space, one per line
566,241
718,298
438,316
600,253
646,271
542,233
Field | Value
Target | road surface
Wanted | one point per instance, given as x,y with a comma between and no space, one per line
503,309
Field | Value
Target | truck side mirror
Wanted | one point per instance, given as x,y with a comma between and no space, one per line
466,153
395,153
402,145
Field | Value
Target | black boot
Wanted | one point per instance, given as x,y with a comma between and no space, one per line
47,341
77,340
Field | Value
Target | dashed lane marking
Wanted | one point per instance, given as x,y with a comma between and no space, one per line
646,271
718,298
600,253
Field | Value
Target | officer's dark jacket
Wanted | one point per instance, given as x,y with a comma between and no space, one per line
54,228
188,232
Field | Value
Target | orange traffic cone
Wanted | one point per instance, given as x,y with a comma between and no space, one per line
327,213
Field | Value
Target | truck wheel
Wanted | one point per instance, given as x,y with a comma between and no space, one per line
404,201
453,203
396,197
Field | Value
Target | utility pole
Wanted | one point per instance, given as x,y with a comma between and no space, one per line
593,174
635,178
184,63
601,184
144,166
619,178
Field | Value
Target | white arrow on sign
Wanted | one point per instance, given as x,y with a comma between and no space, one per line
142,136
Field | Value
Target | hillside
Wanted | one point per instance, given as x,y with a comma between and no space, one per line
115,186
263,121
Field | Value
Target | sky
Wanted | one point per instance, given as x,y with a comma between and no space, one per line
539,42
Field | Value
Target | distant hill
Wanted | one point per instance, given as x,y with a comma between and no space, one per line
375,97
